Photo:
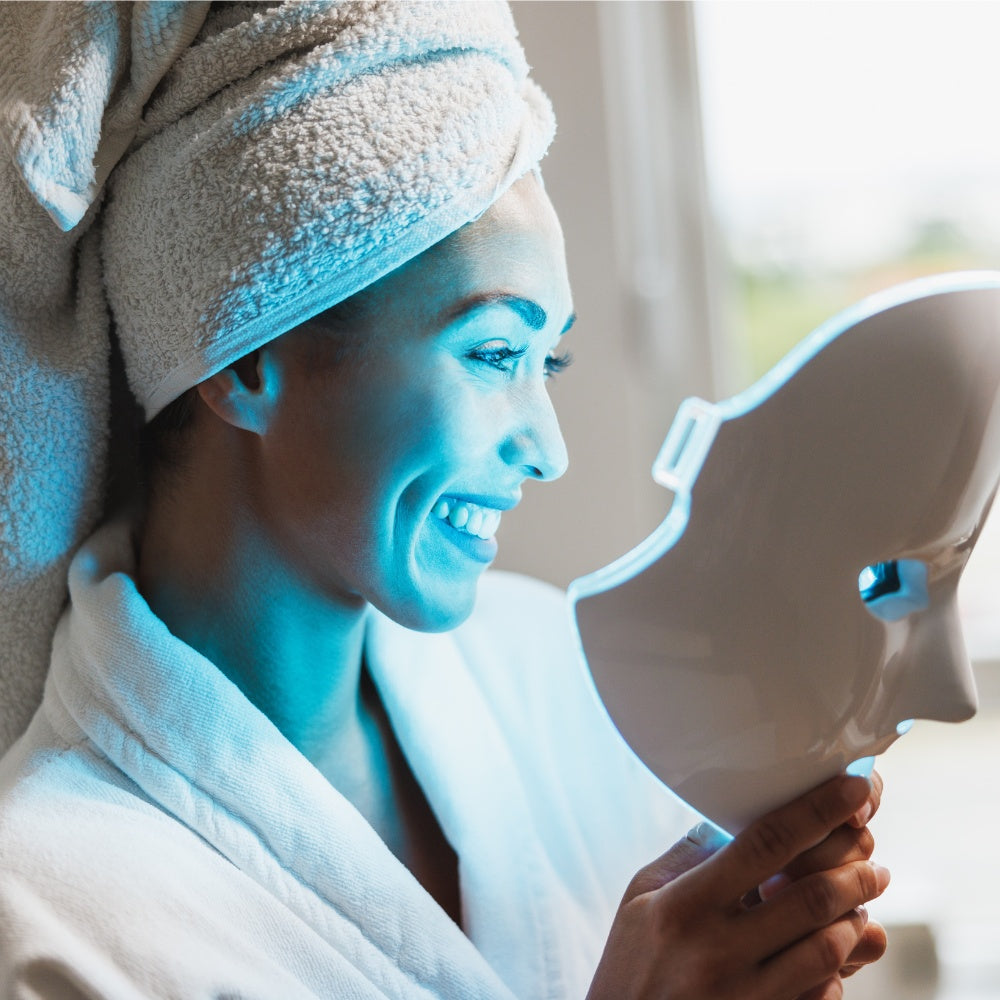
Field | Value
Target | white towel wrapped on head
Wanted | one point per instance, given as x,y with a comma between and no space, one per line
73,79
295,155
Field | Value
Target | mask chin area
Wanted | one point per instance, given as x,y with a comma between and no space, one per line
862,767
892,590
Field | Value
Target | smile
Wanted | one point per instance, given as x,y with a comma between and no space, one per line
468,517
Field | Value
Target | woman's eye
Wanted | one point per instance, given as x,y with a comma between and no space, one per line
499,356
556,363
503,357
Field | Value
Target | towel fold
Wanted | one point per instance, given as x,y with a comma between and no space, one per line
294,155
73,80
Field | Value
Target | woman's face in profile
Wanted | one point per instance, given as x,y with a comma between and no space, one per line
392,465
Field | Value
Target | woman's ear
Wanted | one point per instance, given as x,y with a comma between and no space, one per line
246,394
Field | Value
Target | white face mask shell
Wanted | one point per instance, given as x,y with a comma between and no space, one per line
733,648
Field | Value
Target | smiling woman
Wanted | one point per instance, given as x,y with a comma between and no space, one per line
309,748
434,399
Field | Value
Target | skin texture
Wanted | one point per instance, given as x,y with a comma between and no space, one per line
305,493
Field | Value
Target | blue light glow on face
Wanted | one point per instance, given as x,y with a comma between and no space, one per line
396,462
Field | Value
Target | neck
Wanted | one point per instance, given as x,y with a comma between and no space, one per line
213,567
220,584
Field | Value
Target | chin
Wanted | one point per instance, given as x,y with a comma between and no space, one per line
437,612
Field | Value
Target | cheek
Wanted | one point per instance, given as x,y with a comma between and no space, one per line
353,453
363,454
443,426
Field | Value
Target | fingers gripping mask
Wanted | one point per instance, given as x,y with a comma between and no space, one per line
797,605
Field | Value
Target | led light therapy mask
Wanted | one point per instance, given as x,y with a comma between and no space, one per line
797,605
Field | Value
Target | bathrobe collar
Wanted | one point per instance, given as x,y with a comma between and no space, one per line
195,746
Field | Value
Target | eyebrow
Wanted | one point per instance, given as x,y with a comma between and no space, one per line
531,312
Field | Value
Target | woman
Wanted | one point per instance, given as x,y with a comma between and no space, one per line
300,755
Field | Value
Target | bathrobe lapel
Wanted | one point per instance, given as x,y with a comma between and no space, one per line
178,728
459,755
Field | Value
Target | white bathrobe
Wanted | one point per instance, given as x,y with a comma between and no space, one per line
160,837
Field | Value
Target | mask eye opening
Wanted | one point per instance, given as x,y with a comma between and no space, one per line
878,580
894,589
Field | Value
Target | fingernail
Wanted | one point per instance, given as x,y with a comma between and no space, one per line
882,876
855,787
861,817
773,886
854,790
863,913
708,835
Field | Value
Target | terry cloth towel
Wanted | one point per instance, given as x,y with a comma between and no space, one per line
295,154
268,883
73,79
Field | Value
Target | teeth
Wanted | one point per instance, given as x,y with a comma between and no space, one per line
491,521
465,516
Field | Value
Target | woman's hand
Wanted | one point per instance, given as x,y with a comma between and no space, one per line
850,842
692,925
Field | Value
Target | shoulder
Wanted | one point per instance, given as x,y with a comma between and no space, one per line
521,645
502,585
101,888
501,592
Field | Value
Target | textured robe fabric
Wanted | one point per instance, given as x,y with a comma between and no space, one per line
159,837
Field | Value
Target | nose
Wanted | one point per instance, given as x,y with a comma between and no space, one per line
937,681
534,442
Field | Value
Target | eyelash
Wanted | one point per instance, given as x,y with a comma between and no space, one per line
556,363
503,358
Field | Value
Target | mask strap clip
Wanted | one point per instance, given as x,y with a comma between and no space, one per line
686,445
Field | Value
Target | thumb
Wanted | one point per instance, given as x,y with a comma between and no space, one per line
701,842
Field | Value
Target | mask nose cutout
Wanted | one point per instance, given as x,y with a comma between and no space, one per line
892,590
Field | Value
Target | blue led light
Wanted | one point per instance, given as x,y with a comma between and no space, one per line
892,590
862,768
